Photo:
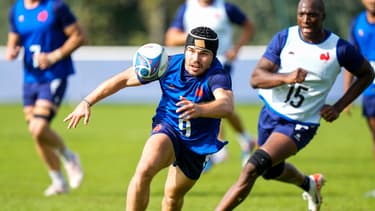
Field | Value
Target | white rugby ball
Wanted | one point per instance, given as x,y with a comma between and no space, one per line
150,62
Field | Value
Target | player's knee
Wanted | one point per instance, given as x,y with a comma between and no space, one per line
40,120
261,160
37,128
274,172
172,203
144,173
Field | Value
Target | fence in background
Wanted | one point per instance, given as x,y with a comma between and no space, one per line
95,64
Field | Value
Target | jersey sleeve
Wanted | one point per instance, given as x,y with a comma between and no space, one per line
178,21
235,14
348,56
275,46
64,14
220,80
11,21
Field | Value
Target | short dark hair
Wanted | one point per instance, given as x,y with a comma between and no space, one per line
203,37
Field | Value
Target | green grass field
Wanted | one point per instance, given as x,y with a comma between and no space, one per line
111,145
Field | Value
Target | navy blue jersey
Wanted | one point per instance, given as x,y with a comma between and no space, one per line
198,134
41,29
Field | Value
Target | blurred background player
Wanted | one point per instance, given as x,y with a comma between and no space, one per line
220,16
294,77
48,32
362,36
196,94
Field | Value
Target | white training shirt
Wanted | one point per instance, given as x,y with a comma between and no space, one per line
302,101
214,17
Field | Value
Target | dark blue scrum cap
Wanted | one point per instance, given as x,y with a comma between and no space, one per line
203,37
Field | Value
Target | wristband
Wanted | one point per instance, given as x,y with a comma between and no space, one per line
88,102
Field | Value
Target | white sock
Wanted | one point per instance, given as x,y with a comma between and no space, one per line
57,177
244,140
220,156
66,154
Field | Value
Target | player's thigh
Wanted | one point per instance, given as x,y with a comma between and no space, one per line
279,146
177,184
39,115
371,124
28,112
43,112
158,153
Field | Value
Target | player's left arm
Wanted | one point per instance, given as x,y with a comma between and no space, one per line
176,35
75,38
221,107
247,28
364,77
348,80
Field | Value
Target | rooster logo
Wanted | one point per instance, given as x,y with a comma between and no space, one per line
324,57
199,92
42,16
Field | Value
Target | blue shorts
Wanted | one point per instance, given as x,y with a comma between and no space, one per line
190,163
270,122
368,106
52,91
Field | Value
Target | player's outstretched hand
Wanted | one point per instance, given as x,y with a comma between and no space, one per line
187,109
82,110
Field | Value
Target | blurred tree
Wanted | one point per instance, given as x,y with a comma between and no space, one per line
115,22
134,22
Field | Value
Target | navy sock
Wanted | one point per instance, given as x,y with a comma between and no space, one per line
306,184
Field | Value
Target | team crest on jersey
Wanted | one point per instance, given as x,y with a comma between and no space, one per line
42,16
199,92
361,33
324,56
21,18
157,128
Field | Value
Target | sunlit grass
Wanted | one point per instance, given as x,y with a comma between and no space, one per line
112,142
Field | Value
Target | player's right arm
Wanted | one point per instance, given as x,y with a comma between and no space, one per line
126,78
265,75
176,35
13,43
13,47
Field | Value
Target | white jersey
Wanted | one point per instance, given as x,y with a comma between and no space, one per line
214,17
302,101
